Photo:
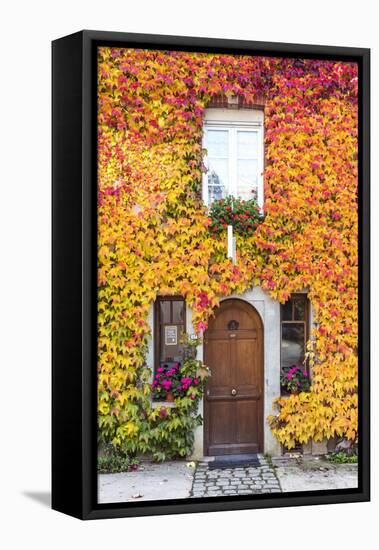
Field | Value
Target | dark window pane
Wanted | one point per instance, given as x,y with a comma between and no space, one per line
165,311
292,344
287,311
178,311
170,348
299,309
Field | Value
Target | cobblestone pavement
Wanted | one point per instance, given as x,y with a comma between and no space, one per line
235,481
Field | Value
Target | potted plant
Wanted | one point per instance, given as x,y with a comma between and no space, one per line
166,379
243,215
295,379
174,379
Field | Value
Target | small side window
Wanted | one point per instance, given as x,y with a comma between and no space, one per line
170,322
294,336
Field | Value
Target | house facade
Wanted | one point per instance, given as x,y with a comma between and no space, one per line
282,133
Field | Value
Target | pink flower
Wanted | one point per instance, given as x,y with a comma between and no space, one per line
166,384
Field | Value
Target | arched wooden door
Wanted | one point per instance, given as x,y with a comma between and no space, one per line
233,401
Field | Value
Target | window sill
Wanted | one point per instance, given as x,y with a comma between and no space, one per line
157,404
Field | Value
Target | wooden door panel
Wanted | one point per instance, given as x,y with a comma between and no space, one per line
221,424
246,364
233,347
219,354
247,392
247,425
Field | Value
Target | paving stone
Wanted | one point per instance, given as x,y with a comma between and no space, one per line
235,481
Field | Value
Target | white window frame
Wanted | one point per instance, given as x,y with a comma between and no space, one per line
232,121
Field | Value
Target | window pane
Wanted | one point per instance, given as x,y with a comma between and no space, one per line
170,347
165,311
217,143
217,179
246,178
287,311
178,312
299,309
247,145
292,345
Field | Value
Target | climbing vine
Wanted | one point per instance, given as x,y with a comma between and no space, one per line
151,221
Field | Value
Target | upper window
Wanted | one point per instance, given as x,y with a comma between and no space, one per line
233,140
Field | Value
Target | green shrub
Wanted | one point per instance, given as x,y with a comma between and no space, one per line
342,458
114,461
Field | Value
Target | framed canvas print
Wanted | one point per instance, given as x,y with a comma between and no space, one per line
210,274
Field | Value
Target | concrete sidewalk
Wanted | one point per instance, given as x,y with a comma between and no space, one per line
181,479
152,481
314,474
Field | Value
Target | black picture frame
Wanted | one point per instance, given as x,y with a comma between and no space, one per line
74,275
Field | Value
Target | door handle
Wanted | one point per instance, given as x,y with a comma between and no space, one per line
234,392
